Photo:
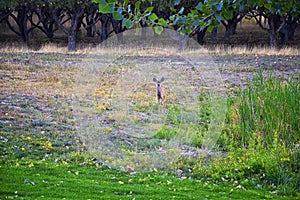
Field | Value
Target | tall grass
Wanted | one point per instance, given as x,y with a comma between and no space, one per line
263,134
261,138
269,109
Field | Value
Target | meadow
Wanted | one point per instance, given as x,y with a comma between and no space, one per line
86,125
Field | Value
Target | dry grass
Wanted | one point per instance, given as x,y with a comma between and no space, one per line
243,50
150,50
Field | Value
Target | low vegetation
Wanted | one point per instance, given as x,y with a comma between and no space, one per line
261,137
43,155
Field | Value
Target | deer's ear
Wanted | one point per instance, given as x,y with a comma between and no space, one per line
154,79
162,79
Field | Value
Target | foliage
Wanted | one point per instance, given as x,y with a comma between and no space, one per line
268,109
192,17
276,169
187,16
262,139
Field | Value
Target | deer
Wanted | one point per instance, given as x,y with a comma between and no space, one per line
160,91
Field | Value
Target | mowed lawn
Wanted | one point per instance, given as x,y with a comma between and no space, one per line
64,181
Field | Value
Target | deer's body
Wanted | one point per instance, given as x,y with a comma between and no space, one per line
160,91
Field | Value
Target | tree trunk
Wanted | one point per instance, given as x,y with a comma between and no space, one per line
89,26
183,42
104,27
272,31
284,35
232,23
200,36
291,26
144,30
72,41
231,28
214,33
117,27
76,21
292,29
21,21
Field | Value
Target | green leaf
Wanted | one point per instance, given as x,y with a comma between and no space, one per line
163,22
203,24
196,22
117,15
172,17
125,3
158,29
227,14
210,28
183,32
220,6
127,23
182,20
153,17
219,18
105,7
199,6
268,6
137,5
173,10
149,9
260,3
194,12
111,1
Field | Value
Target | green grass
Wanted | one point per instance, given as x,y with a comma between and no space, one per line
48,180
271,108
261,134
267,110
40,159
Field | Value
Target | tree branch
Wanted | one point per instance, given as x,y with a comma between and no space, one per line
281,25
196,28
260,25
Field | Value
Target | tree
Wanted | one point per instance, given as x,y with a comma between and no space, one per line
46,14
282,17
188,18
19,12
91,15
231,24
206,15
74,11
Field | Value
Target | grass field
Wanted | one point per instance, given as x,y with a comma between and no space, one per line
72,132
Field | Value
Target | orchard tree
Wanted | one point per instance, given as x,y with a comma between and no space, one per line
282,18
74,11
18,11
205,15
187,17
46,14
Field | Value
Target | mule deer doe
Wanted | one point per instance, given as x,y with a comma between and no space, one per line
160,91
